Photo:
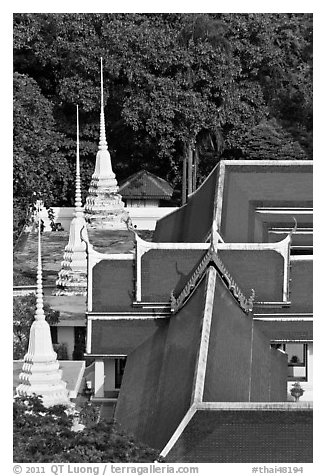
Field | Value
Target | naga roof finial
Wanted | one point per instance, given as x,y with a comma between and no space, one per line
294,229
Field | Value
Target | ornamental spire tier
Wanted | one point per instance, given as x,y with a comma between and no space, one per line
41,374
104,208
72,278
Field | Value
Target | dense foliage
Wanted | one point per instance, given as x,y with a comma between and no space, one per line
171,81
24,308
45,435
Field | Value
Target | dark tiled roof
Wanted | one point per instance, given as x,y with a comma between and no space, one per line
242,187
261,270
301,291
154,399
286,330
113,285
144,185
301,286
162,270
248,186
192,222
159,376
122,336
215,436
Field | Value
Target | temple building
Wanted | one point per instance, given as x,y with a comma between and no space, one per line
145,189
206,328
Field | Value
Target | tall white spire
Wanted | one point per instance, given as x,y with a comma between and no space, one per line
72,278
79,211
104,208
40,373
102,143
39,315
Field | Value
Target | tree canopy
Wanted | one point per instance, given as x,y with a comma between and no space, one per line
170,81
45,435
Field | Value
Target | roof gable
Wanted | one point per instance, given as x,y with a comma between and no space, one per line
145,185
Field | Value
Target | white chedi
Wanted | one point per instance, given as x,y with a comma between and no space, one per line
41,374
72,278
104,208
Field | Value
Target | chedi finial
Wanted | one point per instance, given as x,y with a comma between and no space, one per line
103,143
39,314
78,200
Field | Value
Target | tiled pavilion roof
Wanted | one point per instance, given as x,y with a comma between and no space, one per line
144,185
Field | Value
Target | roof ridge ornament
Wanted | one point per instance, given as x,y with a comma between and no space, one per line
294,229
211,256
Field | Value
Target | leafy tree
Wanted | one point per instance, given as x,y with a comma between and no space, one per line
269,141
39,165
24,308
170,80
45,435
274,56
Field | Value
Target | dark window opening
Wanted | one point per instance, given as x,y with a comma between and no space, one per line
80,343
54,334
120,365
301,250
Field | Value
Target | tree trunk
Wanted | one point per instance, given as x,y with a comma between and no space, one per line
190,161
184,179
196,158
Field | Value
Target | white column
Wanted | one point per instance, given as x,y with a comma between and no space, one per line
99,378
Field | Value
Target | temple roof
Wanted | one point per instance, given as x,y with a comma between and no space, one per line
162,270
145,185
206,339
238,194
113,285
286,330
122,336
247,436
